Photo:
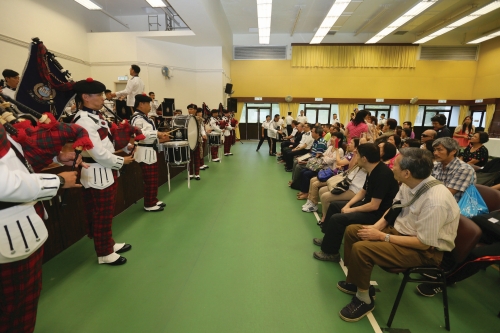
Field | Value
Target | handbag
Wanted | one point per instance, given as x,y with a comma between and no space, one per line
343,185
325,174
471,203
315,164
333,181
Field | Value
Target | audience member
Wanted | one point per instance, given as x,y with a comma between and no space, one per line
427,135
439,124
400,239
357,126
452,172
366,207
476,153
408,125
464,132
302,148
302,118
411,143
390,127
382,119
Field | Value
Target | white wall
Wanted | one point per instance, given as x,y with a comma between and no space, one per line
62,26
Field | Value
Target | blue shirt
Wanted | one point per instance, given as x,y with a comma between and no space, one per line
319,146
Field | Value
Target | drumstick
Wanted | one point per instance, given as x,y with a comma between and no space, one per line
172,131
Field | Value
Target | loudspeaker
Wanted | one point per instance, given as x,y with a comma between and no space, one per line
168,107
229,88
232,104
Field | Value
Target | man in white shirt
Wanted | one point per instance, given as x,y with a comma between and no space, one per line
301,118
335,120
154,106
109,103
11,82
135,86
274,126
382,120
420,232
303,148
288,121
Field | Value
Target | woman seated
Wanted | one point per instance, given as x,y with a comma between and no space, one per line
476,153
330,158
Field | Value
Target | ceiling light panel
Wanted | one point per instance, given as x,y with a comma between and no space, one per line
156,3
478,13
264,11
89,4
337,9
414,11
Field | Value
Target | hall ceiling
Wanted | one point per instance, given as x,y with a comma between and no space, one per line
364,17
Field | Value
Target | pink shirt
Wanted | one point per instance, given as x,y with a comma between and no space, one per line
356,131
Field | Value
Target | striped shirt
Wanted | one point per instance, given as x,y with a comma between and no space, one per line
433,218
457,175
319,146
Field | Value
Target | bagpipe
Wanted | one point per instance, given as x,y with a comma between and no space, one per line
41,136
45,86
122,131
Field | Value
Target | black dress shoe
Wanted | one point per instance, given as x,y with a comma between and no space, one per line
118,262
125,248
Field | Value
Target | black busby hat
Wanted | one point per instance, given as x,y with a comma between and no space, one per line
142,98
214,111
89,86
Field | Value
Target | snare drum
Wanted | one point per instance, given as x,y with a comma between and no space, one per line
214,139
186,130
177,152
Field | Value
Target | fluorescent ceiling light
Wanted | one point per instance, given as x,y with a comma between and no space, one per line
484,10
416,10
156,3
264,10
337,9
482,39
89,4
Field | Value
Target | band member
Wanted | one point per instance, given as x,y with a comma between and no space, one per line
21,257
100,179
11,82
154,106
146,152
134,87
201,124
234,124
197,153
228,140
214,126
109,103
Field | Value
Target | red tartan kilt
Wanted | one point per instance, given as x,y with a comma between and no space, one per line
20,287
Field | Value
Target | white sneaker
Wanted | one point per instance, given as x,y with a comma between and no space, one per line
216,160
308,202
153,209
191,176
203,167
312,208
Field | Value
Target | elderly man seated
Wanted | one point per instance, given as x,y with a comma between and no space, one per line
455,174
420,234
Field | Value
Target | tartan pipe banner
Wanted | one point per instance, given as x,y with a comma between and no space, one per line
44,86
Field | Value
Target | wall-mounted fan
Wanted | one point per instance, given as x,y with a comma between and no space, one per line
288,99
414,100
166,72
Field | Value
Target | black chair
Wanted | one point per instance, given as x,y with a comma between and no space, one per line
468,235
490,196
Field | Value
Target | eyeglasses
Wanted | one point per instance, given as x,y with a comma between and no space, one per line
426,136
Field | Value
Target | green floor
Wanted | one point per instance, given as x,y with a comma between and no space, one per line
233,254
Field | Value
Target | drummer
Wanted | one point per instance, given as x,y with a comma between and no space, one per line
194,164
201,123
214,126
146,152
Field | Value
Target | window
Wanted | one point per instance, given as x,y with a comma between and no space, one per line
390,111
319,113
478,119
426,112
243,118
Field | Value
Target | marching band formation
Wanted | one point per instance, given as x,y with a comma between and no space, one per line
103,143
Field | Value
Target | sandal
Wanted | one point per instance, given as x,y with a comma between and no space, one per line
303,196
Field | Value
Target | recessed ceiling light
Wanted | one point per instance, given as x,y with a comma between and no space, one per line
414,11
486,37
264,10
484,10
337,9
89,4
156,3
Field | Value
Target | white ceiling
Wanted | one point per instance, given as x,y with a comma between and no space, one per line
361,20
242,15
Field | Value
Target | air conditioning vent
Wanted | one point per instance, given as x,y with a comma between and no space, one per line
259,53
400,32
448,53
